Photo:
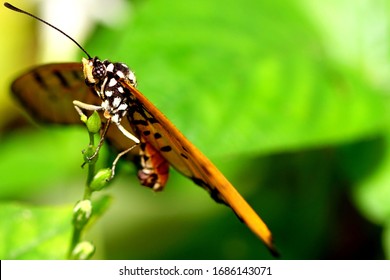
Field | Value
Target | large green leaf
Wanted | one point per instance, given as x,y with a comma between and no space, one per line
35,161
34,232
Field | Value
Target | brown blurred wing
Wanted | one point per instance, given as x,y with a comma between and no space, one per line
47,93
158,131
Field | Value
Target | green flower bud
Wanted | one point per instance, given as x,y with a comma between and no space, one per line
81,213
88,153
94,123
83,251
100,179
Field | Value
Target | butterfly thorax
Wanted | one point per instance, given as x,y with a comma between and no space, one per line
105,77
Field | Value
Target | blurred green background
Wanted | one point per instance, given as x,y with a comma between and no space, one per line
288,98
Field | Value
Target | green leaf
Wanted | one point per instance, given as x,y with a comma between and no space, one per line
35,161
34,232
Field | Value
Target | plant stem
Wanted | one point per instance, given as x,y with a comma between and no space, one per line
77,231
91,169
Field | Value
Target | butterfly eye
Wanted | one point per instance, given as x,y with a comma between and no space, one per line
98,70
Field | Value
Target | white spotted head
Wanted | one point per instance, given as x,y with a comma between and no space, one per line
96,71
105,77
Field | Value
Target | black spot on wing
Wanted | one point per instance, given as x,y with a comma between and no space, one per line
40,81
157,135
145,157
152,120
206,170
184,148
200,182
184,155
146,132
77,75
214,193
166,149
140,122
61,78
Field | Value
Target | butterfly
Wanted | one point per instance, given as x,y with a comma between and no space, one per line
49,93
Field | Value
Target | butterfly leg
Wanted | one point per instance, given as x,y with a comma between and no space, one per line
101,141
78,105
131,137
127,133
118,157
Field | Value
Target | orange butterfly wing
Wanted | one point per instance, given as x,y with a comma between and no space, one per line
158,131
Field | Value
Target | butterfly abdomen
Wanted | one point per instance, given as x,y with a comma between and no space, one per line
155,168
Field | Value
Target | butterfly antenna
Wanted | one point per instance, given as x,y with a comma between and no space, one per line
11,7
